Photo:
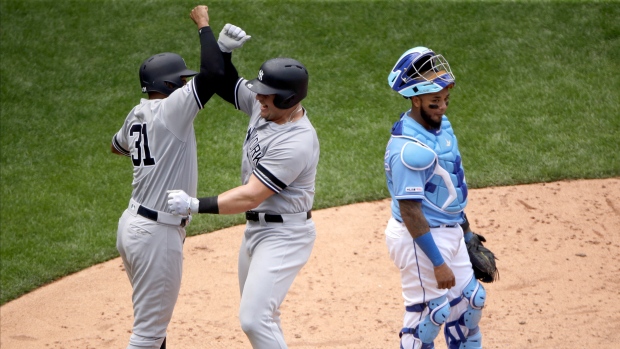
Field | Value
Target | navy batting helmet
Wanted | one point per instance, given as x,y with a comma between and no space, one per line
163,68
285,78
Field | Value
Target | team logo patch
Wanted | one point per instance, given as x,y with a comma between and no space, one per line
260,75
413,189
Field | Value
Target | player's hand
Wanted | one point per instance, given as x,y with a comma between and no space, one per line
231,37
200,16
182,204
445,276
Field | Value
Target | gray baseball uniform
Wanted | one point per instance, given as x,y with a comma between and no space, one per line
158,136
284,158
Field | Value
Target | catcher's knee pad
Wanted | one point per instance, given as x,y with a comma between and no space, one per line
475,295
428,329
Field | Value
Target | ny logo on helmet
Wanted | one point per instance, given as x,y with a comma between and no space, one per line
260,75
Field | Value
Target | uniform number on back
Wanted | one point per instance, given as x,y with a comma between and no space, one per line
142,153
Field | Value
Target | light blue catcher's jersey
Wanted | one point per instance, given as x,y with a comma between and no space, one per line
426,166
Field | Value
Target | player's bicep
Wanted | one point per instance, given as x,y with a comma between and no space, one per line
204,89
259,189
413,217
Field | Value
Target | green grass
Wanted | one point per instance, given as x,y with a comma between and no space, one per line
536,100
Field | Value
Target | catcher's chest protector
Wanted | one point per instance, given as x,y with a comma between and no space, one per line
449,178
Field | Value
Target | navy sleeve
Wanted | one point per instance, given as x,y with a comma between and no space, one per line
211,66
227,88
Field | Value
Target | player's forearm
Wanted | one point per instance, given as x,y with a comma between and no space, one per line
233,201
417,225
238,200
211,61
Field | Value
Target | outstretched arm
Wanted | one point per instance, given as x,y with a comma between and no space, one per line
211,61
236,200
231,37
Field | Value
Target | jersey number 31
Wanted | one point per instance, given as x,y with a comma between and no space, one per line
142,143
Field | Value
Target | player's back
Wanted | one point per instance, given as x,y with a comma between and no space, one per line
163,152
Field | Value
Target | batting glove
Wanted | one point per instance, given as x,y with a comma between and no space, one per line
231,37
182,204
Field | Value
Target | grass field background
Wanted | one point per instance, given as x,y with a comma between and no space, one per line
536,100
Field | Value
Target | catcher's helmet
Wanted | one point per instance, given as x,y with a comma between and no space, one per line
420,71
284,77
156,70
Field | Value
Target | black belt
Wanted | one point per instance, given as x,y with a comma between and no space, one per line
152,215
271,218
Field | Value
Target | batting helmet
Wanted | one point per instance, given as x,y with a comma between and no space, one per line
163,68
285,78
420,71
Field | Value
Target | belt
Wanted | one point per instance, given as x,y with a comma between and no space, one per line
160,217
445,226
271,218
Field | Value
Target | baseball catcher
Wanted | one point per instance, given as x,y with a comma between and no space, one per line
426,179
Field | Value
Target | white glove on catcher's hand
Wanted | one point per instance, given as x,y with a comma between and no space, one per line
182,204
231,37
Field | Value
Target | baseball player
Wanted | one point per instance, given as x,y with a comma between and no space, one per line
427,184
280,157
158,136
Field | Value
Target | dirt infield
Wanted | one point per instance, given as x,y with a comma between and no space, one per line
558,246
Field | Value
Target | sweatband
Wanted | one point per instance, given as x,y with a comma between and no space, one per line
208,205
428,246
467,236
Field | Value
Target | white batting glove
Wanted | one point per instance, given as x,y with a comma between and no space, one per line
182,204
231,37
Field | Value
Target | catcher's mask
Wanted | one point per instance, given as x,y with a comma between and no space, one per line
163,68
285,78
420,71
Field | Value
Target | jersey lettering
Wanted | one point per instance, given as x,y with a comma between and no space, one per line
141,145
254,151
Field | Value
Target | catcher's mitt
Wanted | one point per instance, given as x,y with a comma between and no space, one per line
482,259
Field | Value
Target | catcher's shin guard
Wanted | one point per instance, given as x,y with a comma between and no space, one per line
459,337
475,295
428,329
473,341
